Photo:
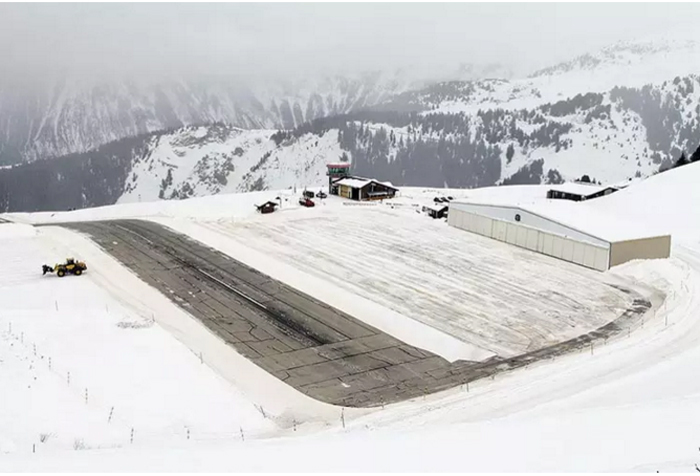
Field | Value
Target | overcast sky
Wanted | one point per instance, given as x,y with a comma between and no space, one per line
200,39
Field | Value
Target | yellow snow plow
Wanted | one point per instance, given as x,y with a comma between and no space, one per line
71,266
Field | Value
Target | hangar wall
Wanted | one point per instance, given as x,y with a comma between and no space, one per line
644,248
527,218
584,253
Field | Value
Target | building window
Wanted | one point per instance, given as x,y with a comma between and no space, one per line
517,217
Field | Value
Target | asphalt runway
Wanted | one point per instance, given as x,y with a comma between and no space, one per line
320,351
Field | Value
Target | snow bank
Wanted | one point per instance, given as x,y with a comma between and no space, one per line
82,360
276,398
211,207
665,203
12,231
626,405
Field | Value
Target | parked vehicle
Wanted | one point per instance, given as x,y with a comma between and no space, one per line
321,194
308,194
306,202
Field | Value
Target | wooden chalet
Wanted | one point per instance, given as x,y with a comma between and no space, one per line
579,192
267,207
356,188
436,211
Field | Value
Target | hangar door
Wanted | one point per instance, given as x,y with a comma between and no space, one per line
585,254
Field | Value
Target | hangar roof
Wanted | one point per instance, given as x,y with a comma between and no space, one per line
578,216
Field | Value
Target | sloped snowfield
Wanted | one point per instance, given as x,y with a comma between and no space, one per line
496,297
631,404
81,366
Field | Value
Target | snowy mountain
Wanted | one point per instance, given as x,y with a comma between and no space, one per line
611,137
623,112
626,64
206,160
181,163
65,116
76,115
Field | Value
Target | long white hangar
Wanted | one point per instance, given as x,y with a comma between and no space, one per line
555,230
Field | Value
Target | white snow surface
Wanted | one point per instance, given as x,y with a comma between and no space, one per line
206,160
75,350
629,405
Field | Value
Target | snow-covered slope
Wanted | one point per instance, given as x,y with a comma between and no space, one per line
60,117
665,203
75,115
630,64
85,362
621,113
629,405
199,161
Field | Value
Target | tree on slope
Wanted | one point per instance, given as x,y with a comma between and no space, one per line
682,160
696,155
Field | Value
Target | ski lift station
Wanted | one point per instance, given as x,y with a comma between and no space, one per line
562,229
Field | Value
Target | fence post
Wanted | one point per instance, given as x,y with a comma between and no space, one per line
68,378
342,416
132,436
49,363
242,435
109,420
86,396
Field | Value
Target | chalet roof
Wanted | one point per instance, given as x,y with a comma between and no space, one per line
353,182
269,202
582,189
437,208
359,182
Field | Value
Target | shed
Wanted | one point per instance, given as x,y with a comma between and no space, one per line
571,232
579,192
267,207
436,211
357,188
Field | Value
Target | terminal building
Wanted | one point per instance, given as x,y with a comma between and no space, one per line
341,183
